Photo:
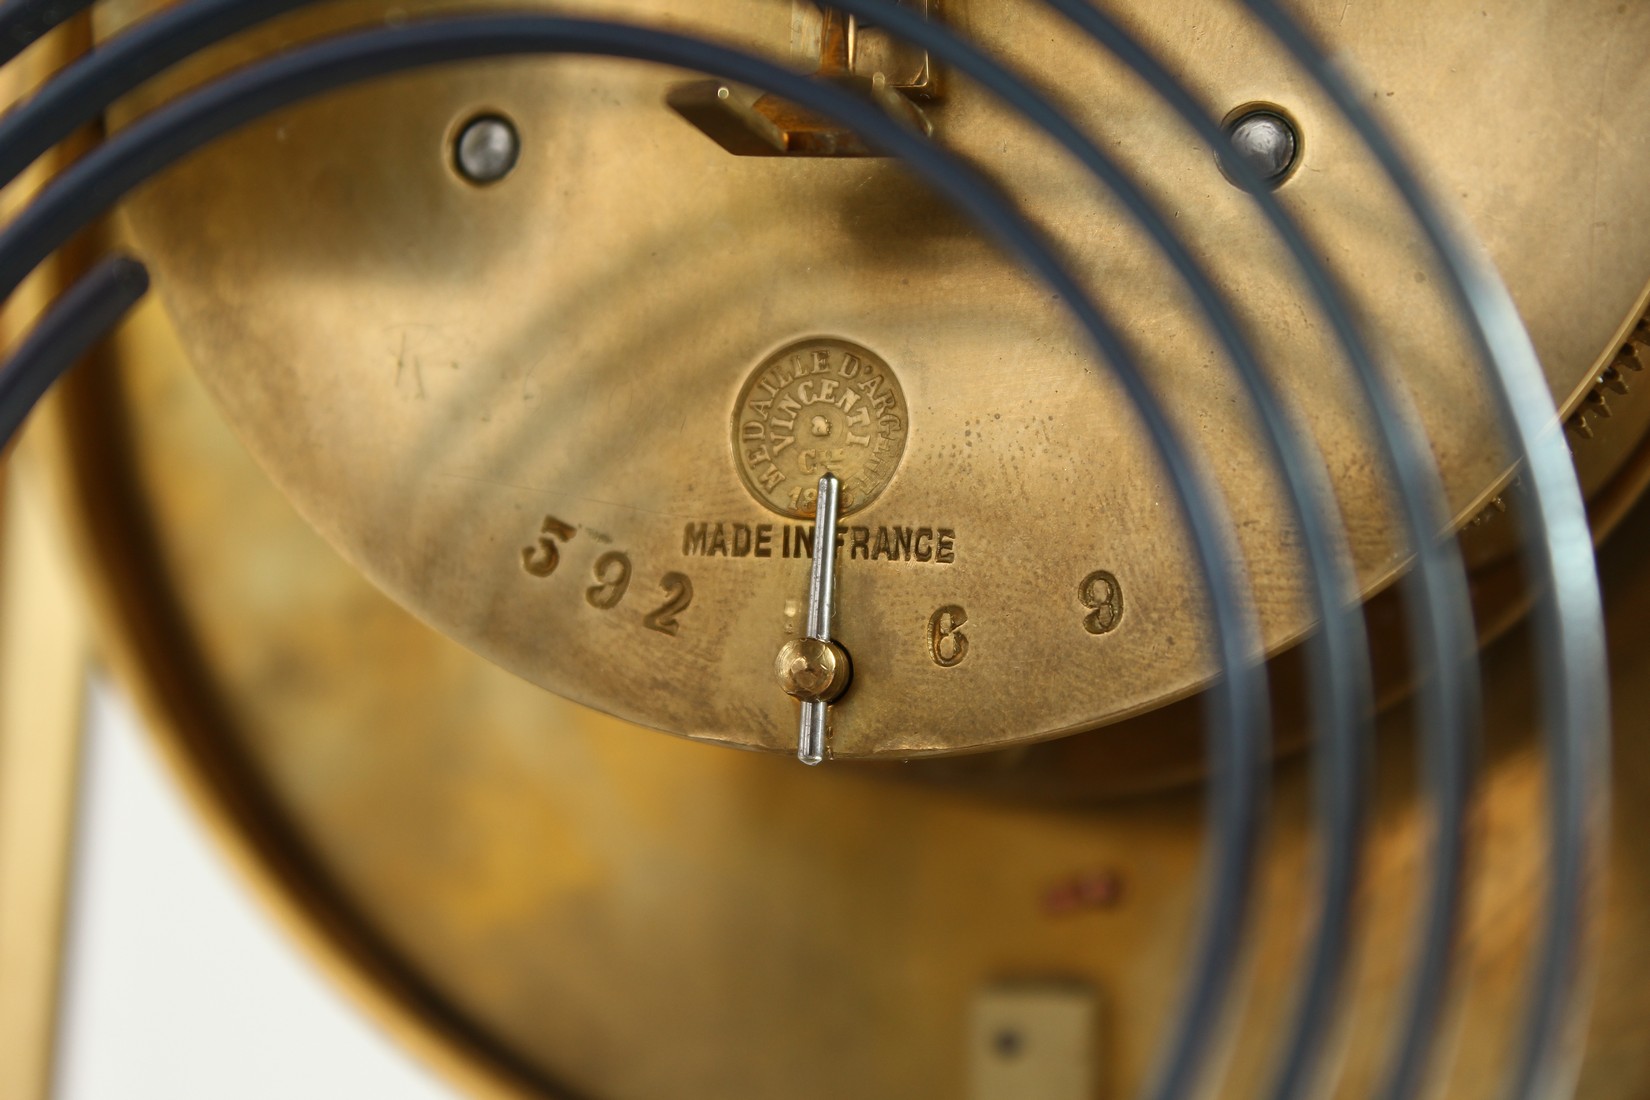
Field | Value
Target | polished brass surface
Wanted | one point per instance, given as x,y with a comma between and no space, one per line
44,651
444,377
44,654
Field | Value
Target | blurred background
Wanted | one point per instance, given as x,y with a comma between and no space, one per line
177,984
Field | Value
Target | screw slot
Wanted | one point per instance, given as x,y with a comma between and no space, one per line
486,149
1265,139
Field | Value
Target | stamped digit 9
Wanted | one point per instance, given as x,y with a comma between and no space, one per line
613,576
1101,592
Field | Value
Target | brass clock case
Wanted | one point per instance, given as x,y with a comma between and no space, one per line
545,901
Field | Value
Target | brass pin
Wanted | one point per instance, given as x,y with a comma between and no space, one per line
813,668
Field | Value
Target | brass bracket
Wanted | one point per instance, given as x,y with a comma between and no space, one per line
862,59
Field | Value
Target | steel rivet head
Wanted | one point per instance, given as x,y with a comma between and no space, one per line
1266,142
487,149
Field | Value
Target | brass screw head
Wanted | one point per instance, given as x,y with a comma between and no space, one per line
813,671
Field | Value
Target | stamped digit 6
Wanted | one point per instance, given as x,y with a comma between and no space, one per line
946,641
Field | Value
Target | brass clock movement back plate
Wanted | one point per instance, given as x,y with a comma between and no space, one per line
572,418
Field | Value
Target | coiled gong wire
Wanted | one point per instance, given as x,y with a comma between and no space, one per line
1557,541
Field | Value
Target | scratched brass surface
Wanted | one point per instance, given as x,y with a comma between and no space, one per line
481,394
541,895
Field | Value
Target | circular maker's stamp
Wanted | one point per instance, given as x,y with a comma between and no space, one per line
819,405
